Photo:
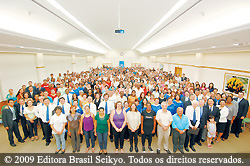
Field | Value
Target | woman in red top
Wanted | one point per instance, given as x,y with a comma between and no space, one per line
20,94
108,82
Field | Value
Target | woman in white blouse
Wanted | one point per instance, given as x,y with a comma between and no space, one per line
58,122
223,119
30,113
133,122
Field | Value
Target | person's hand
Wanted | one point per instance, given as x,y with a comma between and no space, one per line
205,126
31,121
81,132
7,128
116,129
195,128
192,127
6,107
242,117
60,132
95,133
165,128
142,132
152,132
69,133
232,121
181,132
57,132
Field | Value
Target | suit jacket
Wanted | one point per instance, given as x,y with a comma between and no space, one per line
186,103
243,108
203,118
33,95
7,117
215,113
183,99
17,107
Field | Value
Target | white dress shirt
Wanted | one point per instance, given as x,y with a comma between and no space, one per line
223,114
66,98
133,119
22,107
164,117
66,107
43,112
92,107
190,114
110,105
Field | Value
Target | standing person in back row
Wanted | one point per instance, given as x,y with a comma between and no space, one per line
10,122
243,106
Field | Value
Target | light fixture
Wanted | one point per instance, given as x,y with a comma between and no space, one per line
177,6
65,12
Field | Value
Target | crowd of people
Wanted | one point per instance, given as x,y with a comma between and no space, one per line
123,104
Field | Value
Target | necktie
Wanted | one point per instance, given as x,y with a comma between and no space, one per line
68,98
47,114
22,110
106,108
201,112
63,109
194,116
58,101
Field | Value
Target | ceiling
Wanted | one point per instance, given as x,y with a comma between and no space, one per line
86,27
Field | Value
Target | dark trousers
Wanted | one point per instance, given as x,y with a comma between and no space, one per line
178,140
32,127
225,134
126,136
198,137
47,131
41,123
133,135
14,129
89,135
24,126
119,136
236,126
111,136
191,138
143,139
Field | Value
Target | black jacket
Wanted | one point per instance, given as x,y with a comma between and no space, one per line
243,108
7,117
215,113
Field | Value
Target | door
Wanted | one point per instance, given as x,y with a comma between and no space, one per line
178,70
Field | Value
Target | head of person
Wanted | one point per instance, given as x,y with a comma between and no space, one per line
30,88
29,102
210,102
87,109
58,110
195,104
106,96
97,95
26,95
75,103
45,93
156,101
85,96
133,107
36,97
41,99
186,94
164,106
67,91
62,100
177,97
241,94
192,97
58,93
211,118
170,101
133,93
222,102
179,111
21,101
201,103
118,105
218,96
73,109
121,94
46,101
144,101
89,99
229,99
148,106
101,111
126,104
30,83
11,102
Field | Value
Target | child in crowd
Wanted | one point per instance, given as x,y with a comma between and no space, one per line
211,131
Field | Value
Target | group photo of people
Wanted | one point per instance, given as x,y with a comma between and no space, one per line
109,106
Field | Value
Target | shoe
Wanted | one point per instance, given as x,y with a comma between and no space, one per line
131,149
63,151
174,150
150,149
182,152
47,143
193,149
143,149
56,152
122,151
136,149
111,140
25,138
43,138
105,153
51,137
22,141
212,142
158,151
168,151
73,151
202,140
186,149
78,150
116,151
237,135
13,145
100,152
199,143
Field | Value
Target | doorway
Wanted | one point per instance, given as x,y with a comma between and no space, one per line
178,70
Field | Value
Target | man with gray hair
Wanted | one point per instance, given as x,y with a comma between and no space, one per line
193,114
164,120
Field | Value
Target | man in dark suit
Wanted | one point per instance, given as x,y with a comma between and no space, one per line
189,102
32,93
212,110
30,85
243,106
20,109
183,77
10,122
186,97
203,120
39,88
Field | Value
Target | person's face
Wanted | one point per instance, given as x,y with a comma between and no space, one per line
106,97
164,106
156,101
177,97
89,100
46,102
29,103
10,91
21,102
58,111
201,103
229,100
133,106
149,106
73,110
11,103
210,102
45,94
241,95
192,97
222,103
26,95
170,101
179,112
62,101
195,104
119,105
212,120
101,112
133,93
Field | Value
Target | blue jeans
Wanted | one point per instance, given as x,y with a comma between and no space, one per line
60,139
102,138
88,135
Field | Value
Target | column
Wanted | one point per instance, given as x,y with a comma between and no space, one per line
73,63
40,67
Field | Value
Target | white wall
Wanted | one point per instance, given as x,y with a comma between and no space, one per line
235,61
17,69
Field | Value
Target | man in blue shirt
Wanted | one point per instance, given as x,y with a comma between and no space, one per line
180,125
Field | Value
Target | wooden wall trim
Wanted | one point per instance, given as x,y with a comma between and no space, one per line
204,67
